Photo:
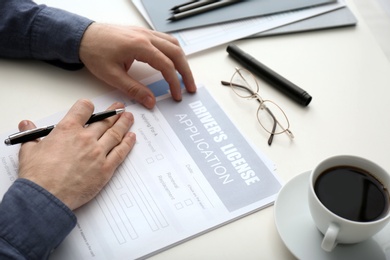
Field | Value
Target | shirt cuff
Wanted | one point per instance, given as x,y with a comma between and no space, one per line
32,220
56,35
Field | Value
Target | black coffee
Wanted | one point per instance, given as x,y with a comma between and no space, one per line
352,193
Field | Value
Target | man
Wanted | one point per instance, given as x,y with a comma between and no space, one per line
72,164
108,51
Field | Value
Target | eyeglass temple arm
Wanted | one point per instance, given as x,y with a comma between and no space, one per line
226,83
276,122
271,138
287,131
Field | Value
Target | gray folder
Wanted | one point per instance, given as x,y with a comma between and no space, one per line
337,18
159,12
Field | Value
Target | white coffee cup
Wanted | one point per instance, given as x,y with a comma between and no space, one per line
337,229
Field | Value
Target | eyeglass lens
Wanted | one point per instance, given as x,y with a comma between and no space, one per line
270,116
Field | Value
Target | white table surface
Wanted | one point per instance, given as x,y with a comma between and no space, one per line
344,70
376,14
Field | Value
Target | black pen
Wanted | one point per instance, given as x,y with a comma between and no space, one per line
290,89
192,5
181,5
202,9
33,134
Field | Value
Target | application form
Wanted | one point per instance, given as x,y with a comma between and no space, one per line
190,171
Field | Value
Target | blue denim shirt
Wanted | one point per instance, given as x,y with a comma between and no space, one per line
32,31
32,221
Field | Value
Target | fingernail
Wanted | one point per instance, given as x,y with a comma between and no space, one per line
148,102
24,125
193,88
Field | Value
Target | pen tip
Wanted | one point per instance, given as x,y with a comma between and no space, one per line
120,110
7,141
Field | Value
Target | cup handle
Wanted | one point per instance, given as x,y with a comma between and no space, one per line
329,241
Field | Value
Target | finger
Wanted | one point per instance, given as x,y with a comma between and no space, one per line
131,87
157,59
178,57
118,154
78,114
27,125
100,127
24,148
114,135
166,37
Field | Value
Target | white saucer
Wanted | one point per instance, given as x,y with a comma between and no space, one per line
300,235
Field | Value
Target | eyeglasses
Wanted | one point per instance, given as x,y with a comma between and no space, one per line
270,116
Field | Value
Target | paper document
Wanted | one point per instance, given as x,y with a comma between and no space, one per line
337,18
159,12
191,171
199,39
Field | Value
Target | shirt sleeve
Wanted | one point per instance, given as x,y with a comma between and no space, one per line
32,222
28,30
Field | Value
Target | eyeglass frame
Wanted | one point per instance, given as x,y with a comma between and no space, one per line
256,95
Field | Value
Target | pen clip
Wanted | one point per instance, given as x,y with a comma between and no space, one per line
27,132
30,132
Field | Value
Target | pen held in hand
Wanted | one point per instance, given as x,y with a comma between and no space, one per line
202,9
29,135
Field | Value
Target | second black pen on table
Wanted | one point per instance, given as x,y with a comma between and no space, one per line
285,86
198,7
